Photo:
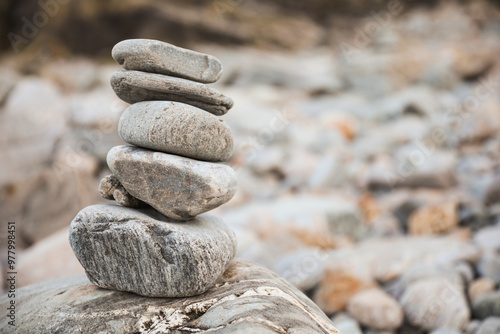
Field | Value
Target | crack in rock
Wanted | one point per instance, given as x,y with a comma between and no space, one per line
264,322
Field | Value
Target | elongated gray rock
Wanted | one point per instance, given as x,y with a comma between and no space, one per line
135,86
178,187
142,251
247,299
159,57
176,128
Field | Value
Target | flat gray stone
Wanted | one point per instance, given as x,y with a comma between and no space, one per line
247,299
142,251
178,187
135,86
176,128
159,57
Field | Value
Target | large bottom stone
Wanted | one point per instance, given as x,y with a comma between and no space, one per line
247,299
144,252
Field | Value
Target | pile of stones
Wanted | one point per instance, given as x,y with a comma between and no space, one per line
159,242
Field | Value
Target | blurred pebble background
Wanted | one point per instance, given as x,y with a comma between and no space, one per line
367,143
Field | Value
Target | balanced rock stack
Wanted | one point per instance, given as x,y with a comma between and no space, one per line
159,243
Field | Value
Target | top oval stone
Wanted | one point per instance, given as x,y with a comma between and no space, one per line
159,57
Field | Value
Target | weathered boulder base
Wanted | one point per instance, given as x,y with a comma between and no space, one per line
246,299
144,252
176,128
159,57
135,86
178,187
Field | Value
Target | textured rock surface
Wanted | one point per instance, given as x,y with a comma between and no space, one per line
144,252
178,129
159,57
432,303
247,299
135,86
376,309
111,188
178,187
108,185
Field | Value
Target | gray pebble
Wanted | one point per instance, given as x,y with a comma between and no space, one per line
487,305
108,185
159,57
419,296
492,195
346,324
489,265
490,325
134,86
180,188
122,197
111,188
144,252
176,128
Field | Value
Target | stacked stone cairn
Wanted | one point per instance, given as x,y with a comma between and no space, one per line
158,242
